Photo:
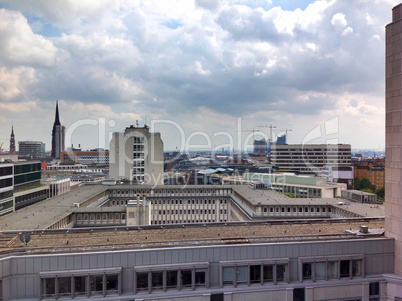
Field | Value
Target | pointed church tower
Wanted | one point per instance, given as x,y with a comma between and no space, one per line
57,135
12,141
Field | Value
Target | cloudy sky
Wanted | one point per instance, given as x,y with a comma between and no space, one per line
202,72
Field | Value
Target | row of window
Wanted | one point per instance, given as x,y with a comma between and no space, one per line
185,202
297,209
335,269
170,279
173,192
186,276
76,286
194,211
115,216
165,222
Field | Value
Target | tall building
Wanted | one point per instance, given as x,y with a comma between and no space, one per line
12,142
137,155
393,144
310,158
260,147
58,134
32,149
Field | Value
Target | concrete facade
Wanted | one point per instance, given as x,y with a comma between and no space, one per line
137,155
310,158
341,270
393,142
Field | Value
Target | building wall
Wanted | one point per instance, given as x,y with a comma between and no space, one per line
310,157
22,277
393,160
6,188
137,155
393,143
34,149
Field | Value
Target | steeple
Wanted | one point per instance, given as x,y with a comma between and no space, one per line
12,141
56,119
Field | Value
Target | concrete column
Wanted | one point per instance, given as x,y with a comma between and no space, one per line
366,291
309,294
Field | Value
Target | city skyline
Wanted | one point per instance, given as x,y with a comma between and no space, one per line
202,65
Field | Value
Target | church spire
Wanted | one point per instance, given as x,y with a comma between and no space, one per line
57,119
12,141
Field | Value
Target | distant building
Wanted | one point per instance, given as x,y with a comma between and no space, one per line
137,155
376,174
281,140
93,157
6,188
260,147
58,136
27,187
12,142
56,185
310,158
32,149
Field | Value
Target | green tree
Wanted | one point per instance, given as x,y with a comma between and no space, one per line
381,193
364,183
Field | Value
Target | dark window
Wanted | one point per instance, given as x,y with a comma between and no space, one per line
48,287
142,281
96,285
281,272
157,280
268,273
307,270
80,285
186,278
255,273
374,289
344,268
64,286
200,277
112,283
171,279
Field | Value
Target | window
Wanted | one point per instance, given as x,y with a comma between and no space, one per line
112,284
142,281
319,270
186,278
96,285
255,273
356,268
307,270
48,287
374,289
80,285
268,273
157,280
332,269
281,272
64,284
344,268
171,279
241,274
228,275
200,277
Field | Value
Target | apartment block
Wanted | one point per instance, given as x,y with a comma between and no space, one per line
310,158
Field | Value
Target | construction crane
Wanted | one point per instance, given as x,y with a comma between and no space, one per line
270,126
252,130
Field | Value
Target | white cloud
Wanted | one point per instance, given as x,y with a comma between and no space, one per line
339,19
20,45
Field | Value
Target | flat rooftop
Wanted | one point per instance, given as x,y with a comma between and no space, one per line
140,237
44,214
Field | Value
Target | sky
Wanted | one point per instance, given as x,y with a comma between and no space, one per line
206,74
